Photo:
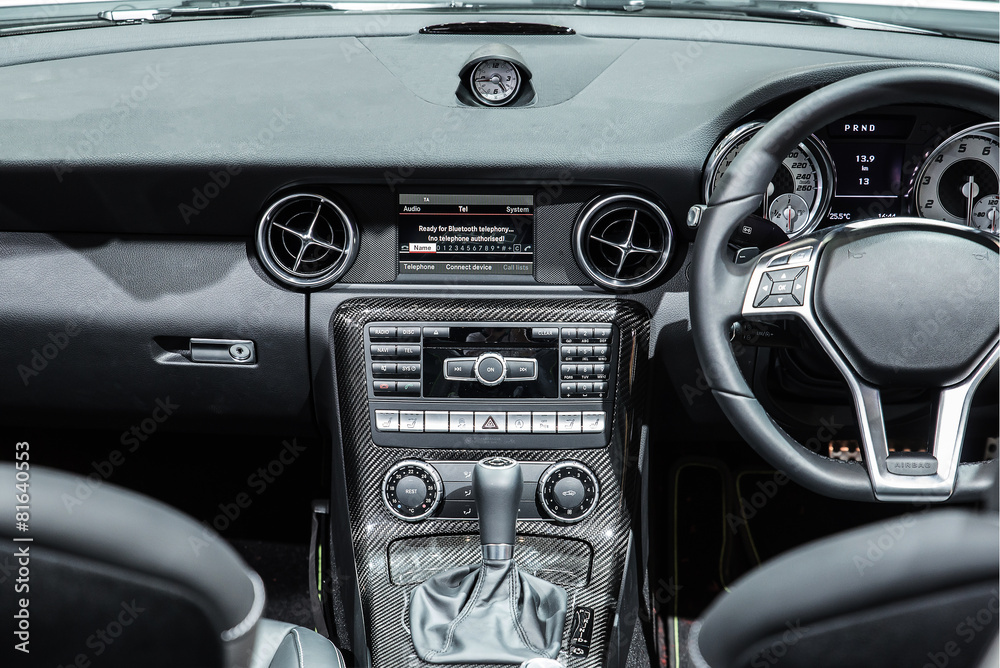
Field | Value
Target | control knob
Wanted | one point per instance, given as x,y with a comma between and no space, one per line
412,490
490,369
568,491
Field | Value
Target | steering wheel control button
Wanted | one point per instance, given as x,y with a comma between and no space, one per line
412,490
543,423
779,261
461,421
495,423
436,421
490,369
801,256
521,369
912,464
411,421
799,287
593,422
518,423
387,420
782,288
568,491
569,423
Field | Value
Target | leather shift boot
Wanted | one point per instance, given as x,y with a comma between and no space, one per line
487,613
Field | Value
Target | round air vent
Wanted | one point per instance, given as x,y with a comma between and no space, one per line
623,241
306,240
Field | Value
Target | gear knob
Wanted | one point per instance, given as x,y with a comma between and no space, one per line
496,483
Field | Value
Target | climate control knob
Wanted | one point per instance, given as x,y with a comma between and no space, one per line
412,490
568,491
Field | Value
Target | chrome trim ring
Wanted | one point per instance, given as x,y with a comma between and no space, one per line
438,496
491,103
295,279
544,479
813,146
503,369
582,235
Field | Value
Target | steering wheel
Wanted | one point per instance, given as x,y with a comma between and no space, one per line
894,302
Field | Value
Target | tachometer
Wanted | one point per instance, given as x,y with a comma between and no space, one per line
798,196
958,182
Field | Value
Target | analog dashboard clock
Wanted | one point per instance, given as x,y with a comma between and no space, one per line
495,82
495,75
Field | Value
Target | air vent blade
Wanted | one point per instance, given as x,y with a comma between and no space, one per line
306,240
623,241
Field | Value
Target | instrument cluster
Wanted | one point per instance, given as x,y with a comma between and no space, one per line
927,162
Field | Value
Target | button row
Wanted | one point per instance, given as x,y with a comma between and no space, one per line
390,351
589,422
585,353
396,369
596,334
784,287
800,256
584,371
409,388
583,390
384,333
463,368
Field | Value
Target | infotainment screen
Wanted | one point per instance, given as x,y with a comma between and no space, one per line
466,234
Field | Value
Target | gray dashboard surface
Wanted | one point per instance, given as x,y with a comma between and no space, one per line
332,101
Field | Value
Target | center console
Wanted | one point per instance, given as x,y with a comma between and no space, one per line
429,387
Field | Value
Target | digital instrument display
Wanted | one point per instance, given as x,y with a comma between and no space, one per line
869,180
466,234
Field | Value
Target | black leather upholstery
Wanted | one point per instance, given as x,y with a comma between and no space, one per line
118,577
897,593
283,645
487,613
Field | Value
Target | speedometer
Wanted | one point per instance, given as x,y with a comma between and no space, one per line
798,196
958,183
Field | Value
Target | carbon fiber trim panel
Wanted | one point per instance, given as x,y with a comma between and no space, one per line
606,531
561,561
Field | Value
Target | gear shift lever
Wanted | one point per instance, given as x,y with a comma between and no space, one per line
496,483
489,612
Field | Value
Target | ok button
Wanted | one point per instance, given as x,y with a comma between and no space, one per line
491,369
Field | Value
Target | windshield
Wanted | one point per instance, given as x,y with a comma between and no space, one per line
978,19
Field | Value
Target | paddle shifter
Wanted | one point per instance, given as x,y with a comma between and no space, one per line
489,612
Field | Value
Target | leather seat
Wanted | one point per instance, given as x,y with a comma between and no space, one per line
916,590
104,576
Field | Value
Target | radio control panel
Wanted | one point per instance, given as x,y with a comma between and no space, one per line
490,385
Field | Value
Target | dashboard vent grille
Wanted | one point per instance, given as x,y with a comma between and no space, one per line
306,240
623,241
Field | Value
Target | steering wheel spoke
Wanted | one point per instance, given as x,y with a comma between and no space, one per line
782,285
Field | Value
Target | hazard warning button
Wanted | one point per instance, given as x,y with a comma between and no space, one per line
491,422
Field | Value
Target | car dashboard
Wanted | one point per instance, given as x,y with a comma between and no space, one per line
318,224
